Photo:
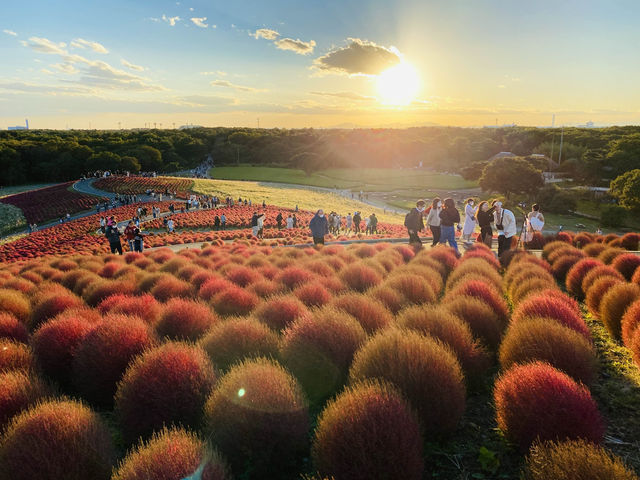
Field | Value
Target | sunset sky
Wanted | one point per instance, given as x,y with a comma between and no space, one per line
90,64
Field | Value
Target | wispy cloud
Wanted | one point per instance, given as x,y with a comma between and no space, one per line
345,95
131,66
199,22
171,20
44,45
220,73
95,46
265,33
10,32
297,46
227,84
359,57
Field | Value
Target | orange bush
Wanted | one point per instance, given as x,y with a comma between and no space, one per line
614,303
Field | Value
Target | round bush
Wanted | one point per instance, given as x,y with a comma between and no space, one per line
574,460
537,402
368,432
60,439
551,307
597,273
51,305
97,291
291,277
234,301
145,306
389,297
372,314
610,254
104,353
560,268
280,311
482,320
630,322
634,346
242,276
318,349
19,391
531,286
441,324
169,455
548,341
482,291
596,292
614,303
594,249
167,385
235,339
168,286
360,277
626,264
474,266
258,417
55,343
424,370
413,288
15,356
12,329
15,303
312,294
576,275
184,319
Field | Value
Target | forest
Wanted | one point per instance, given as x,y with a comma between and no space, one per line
591,156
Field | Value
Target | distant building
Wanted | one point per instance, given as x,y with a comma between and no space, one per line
20,127
186,127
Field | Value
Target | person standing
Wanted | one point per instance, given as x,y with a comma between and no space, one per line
138,240
289,222
367,222
433,220
130,235
295,220
103,224
484,217
170,225
279,220
223,221
319,227
373,224
260,225
414,222
349,222
449,216
216,223
113,235
254,224
356,222
505,225
535,222
469,225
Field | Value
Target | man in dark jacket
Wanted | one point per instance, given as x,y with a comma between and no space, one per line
279,220
414,223
319,227
356,222
113,235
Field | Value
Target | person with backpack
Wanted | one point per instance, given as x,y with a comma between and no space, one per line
113,236
414,222
356,222
449,216
433,220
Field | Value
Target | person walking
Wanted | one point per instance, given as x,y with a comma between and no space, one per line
433,220
113,236
130,235
170,225
349,223
223,221
449,216
260,225
103,224
367,222
138,240
414,222
254,224
319,227
469,225
505,225
216,223
295,221
289,222
373,224
356,222
484,217
279,220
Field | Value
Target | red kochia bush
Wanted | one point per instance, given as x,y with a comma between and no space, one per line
291,277
184,319
235,339
318,350
19,391
258,417
12,329
413,288
145,306
371,313
234,301
97,291
545,340
312,294
630,322
596,292
169,286
576,274
614,303
551,307
104,354
169,455
60,439
15,303
441,324
51,305
280,311
425,371
482,291
626,264
634,346
360,277
537,402
598,273
368,432
482,320
55,343
214,286
15,356
574,460
167,385
630,240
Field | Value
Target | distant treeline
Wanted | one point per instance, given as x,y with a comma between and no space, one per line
588,155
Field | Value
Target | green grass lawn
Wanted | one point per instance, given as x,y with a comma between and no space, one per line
365,179
12,190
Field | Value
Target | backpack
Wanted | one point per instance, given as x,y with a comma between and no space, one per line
410,219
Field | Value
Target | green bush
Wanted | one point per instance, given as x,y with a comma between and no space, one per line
11,219
613,216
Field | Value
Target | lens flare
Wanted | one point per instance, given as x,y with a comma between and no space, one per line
398,85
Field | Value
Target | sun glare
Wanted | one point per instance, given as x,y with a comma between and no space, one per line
398,85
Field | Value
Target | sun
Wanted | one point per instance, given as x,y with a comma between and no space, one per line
398,85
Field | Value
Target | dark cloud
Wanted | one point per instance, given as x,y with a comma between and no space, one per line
358,57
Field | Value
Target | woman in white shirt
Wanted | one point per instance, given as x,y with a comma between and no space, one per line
505,225
433,220
469,221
